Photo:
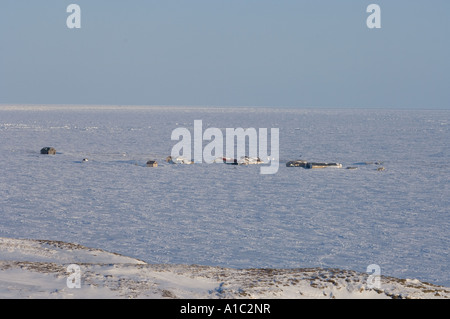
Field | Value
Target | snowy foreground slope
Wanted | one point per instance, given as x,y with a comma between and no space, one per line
39,269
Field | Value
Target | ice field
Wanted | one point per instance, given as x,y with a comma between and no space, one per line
233,216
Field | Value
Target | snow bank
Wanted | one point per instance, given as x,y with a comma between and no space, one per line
39,269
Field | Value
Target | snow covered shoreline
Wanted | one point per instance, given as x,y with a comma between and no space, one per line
39,269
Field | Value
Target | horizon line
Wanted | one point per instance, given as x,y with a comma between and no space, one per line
179,106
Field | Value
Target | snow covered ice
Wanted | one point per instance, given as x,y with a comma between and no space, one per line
232,216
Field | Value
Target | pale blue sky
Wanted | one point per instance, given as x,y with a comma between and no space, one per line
291,53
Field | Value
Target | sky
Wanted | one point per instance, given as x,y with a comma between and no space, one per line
273,53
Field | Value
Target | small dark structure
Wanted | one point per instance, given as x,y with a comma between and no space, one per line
152,163
48,150
322,165
229,161
306,164
298,163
